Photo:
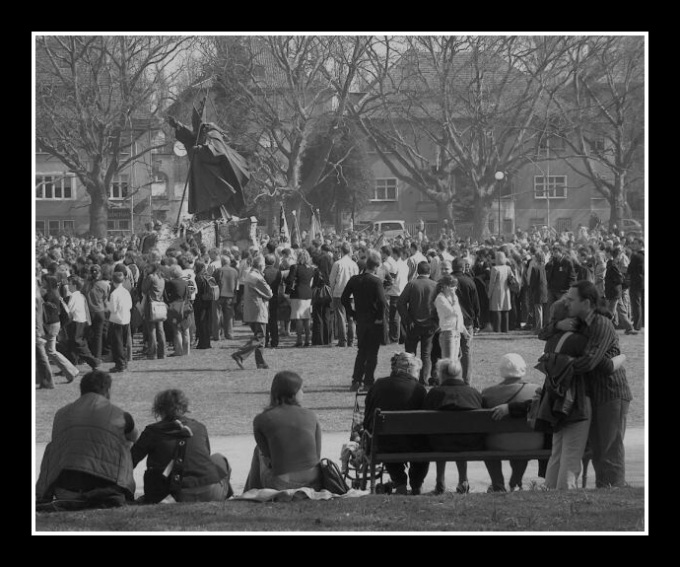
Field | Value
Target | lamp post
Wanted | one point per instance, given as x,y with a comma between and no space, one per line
499,175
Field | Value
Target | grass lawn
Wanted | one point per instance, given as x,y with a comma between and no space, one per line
227,399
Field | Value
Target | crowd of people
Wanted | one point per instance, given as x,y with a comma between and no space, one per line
431,295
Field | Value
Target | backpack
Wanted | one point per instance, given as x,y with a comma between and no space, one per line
212,290
50,313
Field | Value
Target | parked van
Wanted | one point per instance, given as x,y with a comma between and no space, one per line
390,228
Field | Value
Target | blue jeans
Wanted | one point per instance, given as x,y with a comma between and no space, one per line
227,309
607,430
156,335
254,345
423,335
344,325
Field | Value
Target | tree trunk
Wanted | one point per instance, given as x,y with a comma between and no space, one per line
99,213
480,227
445,212
618,202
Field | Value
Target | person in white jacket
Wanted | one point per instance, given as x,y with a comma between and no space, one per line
341,271
119,306
451,323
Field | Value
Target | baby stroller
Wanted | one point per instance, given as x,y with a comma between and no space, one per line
354,457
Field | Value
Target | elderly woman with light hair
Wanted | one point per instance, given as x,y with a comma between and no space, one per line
179,307
500,301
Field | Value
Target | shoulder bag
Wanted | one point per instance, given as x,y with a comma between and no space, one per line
331,477
158,484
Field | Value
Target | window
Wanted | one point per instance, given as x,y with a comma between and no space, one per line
597,145
556,187
119,187
537,222
69,226
54,186
385,190
40,227
54,227
123,225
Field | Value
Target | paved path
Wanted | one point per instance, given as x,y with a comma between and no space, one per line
239,450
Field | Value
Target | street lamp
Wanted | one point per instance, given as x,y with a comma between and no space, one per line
499,175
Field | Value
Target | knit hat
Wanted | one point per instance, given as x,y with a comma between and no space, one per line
512,366
406,362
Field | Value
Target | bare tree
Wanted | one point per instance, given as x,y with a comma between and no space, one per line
603,105
445,113
287,87
96,96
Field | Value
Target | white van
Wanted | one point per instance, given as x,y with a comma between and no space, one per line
390,228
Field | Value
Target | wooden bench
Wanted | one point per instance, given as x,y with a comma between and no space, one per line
430,422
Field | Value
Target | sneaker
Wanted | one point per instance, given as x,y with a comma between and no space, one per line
400,489
116,369
355,387
262,366
439,489
631,332
416,491
72,378
238,360
493,488
463,487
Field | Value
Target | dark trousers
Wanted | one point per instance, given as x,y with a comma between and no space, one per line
118,340
202,313
255,344
322,324
500,321
369,336
96,334
423,335
637,307
78,347
607,430
271,337
395,319
495,469
416,473
43,370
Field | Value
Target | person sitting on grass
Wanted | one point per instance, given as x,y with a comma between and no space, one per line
87,463
204,476
453,394
288,440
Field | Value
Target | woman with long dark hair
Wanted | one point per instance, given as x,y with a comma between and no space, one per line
288,438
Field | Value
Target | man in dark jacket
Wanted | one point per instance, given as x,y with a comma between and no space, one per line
398,392
636,273
370,305
272,276
560,274
416,308
469,305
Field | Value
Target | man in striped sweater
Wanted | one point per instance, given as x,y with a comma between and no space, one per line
609,394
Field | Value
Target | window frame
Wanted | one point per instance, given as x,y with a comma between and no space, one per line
118,180
376,199
60,176
553,186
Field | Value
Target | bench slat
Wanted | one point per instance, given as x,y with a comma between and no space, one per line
423,422
461,456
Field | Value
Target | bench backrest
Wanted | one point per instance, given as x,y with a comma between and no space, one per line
428,422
